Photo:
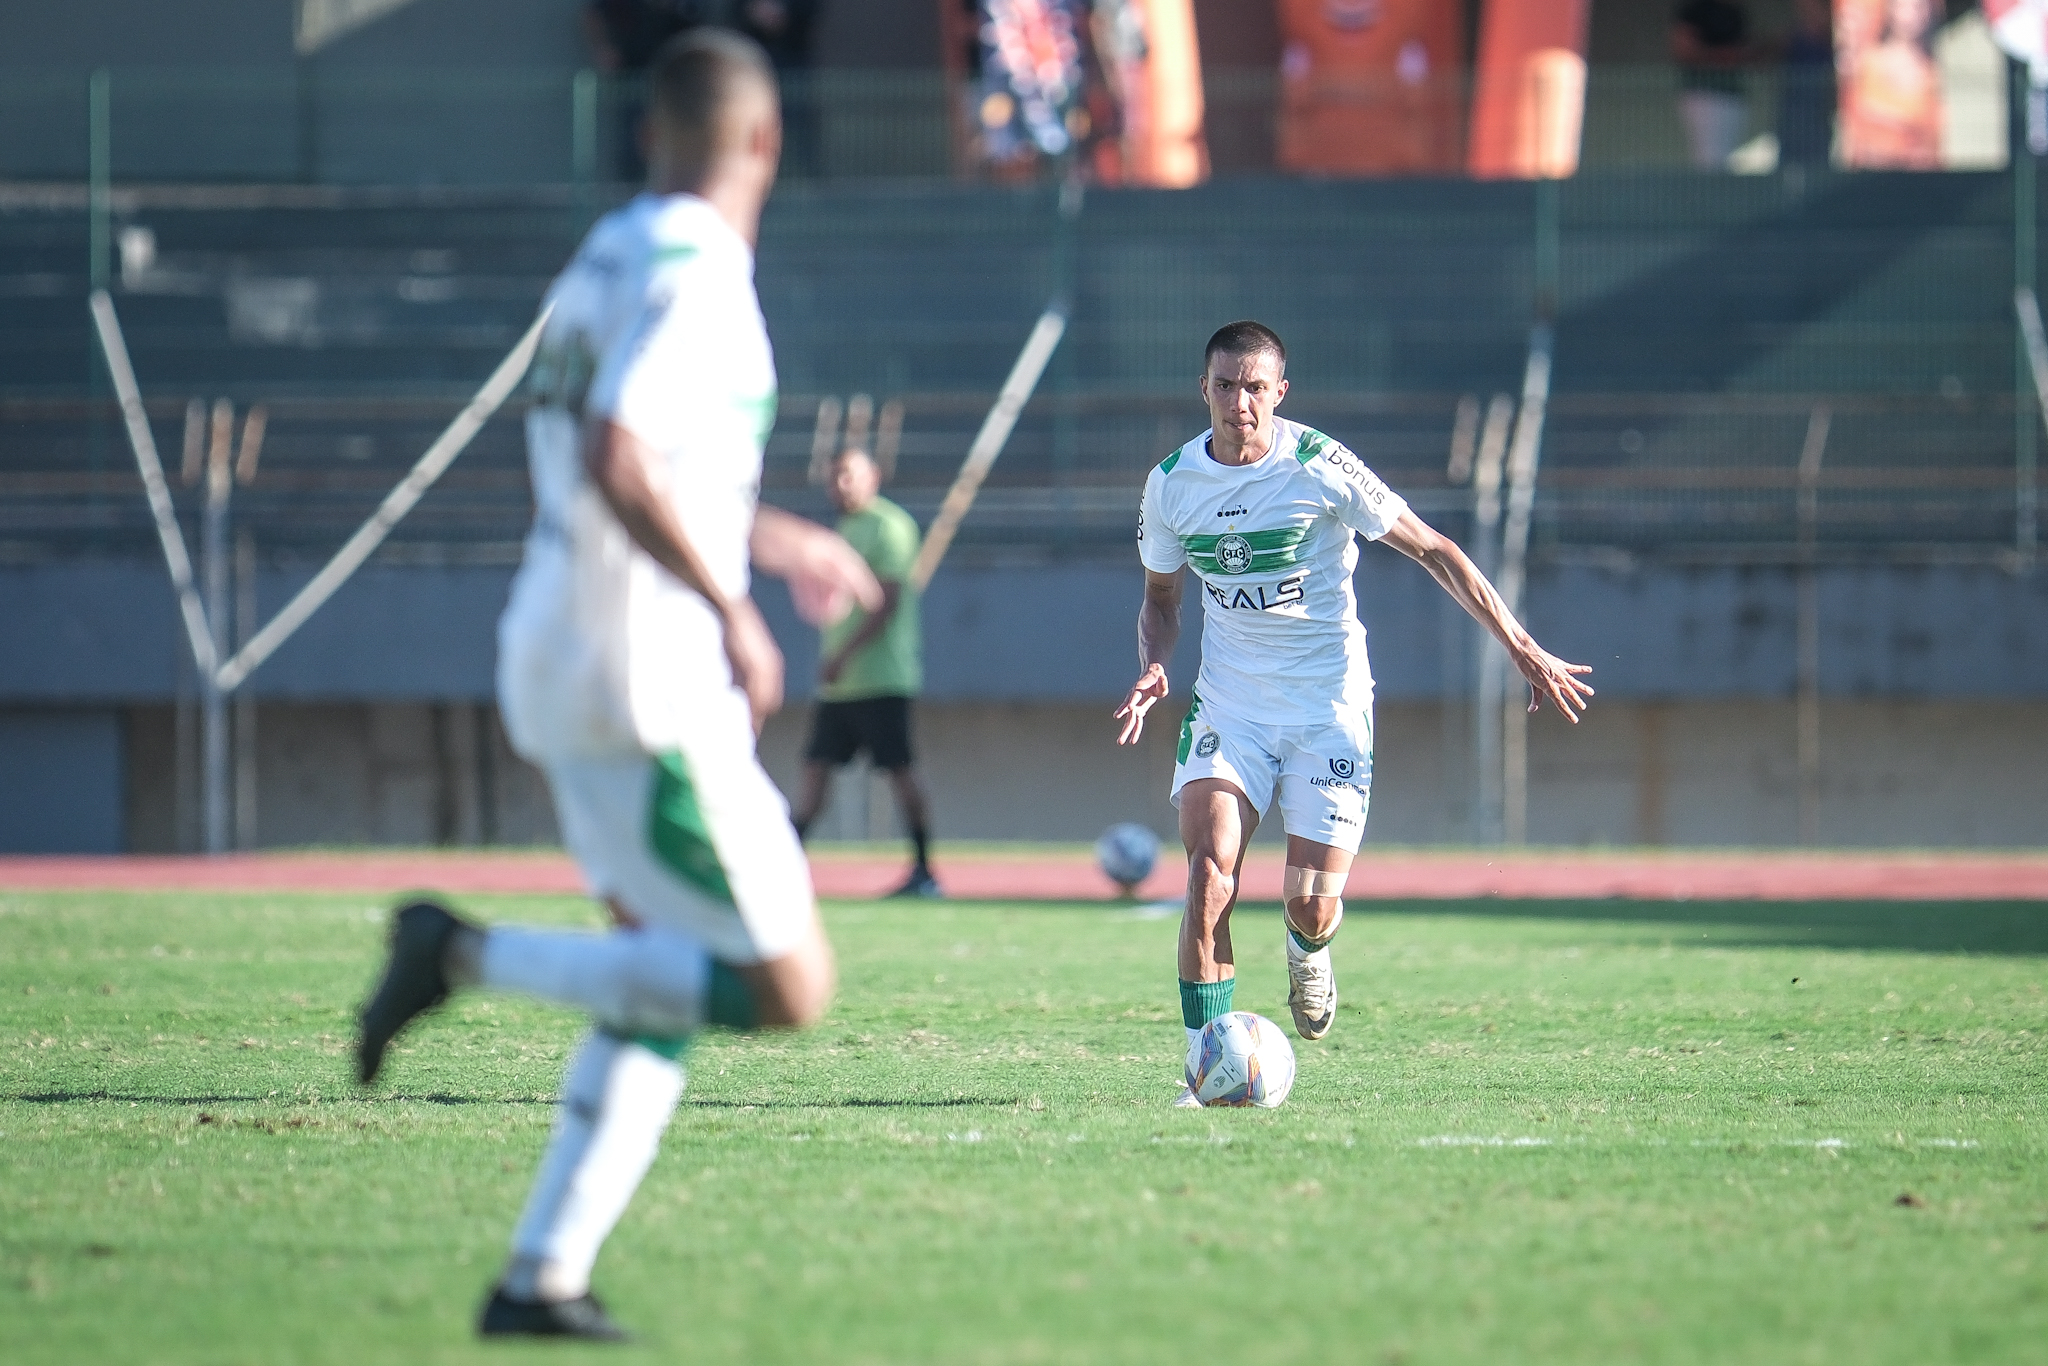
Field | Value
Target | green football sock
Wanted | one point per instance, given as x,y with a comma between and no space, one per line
669,1046
1201,1002
730,1002
1307,945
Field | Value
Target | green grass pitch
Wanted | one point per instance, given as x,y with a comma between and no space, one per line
1589,1132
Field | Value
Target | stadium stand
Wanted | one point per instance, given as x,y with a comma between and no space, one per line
1701,321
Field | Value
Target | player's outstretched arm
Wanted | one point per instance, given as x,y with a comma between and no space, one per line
1549,677
1158,633
825,575
633,480
867,633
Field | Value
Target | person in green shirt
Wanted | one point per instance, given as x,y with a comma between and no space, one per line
872,665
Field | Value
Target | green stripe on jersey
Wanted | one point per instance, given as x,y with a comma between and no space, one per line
1187,730
1270,550
763,410
1166,465
1280,538
678,833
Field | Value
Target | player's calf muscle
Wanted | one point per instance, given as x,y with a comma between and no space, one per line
792,991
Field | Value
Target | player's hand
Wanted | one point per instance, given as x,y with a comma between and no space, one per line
829,579
1148,690
826,576
755,658
1552,679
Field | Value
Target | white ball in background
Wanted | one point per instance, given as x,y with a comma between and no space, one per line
1127,853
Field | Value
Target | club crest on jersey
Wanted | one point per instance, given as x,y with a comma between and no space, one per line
1341,767
1233,554
1208,744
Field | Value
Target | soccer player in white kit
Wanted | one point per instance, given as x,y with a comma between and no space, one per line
1266,512
634,670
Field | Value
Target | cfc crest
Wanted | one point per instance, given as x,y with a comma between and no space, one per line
1233,554
1208,744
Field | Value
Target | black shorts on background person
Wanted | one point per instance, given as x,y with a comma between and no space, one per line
880,726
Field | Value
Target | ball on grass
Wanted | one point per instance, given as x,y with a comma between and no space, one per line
1241,1059
1127,853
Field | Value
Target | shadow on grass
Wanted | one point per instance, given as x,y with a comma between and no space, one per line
2018,928
443,1098
859,1103
139,1098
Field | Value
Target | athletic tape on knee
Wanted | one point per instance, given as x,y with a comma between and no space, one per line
1301,882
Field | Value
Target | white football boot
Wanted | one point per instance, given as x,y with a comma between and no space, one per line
1311,989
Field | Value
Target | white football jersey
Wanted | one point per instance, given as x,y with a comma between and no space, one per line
656,328
1272,543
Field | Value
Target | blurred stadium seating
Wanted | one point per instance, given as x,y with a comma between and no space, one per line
1700,322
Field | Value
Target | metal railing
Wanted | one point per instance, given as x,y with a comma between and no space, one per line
1627,479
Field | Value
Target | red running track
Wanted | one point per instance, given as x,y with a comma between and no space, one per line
1072,876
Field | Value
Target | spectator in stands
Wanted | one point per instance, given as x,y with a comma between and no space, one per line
623,36
1806,102
1710,42
783,29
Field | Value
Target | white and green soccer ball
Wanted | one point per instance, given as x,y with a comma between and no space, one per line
1241,1059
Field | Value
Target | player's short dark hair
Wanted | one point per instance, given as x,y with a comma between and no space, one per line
699,75
1245,338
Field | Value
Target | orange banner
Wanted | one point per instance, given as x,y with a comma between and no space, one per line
1891,108
1529,96
1158,81
1371,87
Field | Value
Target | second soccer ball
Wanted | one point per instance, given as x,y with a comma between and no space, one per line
1127,853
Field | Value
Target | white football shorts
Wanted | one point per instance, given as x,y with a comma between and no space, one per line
695,839
1322,773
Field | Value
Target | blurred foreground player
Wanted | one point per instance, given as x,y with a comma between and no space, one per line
635,671
1265,512
873,666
